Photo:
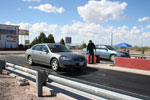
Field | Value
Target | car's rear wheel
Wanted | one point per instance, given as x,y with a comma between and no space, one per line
112,57
30,60
55,65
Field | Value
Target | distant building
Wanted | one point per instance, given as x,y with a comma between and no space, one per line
9,36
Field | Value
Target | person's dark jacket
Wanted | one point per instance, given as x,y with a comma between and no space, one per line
91,47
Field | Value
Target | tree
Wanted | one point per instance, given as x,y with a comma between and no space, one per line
50,39
42,38
62,41
35,41
83,46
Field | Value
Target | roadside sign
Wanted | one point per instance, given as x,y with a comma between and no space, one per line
27,42
68,40
23,32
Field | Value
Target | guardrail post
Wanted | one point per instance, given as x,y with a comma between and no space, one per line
44,78
2,65
40,82
0,68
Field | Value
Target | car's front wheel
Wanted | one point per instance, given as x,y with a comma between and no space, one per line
55,65
112,57
30,60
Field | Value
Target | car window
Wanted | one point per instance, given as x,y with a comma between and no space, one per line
103,47
58,48
37,48
44,48
110,47
100,47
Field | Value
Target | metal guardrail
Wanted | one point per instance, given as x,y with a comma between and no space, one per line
100,92
40,75
41,81
140,56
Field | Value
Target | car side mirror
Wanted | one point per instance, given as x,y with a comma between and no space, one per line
106,49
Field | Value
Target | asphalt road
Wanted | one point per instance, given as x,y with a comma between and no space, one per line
134,83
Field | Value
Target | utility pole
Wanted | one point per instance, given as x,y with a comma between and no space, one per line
141,42
111,38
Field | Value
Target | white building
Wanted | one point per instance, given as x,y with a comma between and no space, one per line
9,36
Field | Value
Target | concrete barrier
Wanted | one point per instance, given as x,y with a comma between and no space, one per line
134,63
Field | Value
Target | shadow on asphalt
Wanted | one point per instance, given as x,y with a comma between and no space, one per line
76,73
66,72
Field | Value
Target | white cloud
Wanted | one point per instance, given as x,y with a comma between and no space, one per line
30,7
21,25
8,23
43,27
148,26
25,25
48,8
145,38
32,0
19,9
82,32
144,19
146,35
102,11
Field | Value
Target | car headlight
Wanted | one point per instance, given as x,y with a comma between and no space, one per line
65,58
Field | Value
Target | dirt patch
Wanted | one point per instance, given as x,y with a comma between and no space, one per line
10,90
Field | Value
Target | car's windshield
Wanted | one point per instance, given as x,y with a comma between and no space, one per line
58,48
110,47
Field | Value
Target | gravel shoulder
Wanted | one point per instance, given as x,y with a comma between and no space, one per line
10,90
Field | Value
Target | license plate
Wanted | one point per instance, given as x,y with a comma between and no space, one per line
81,63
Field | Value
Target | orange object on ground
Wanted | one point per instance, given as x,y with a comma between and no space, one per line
96,59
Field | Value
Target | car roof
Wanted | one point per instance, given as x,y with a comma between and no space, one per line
48,44
102,45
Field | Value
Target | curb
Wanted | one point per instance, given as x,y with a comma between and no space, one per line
121,69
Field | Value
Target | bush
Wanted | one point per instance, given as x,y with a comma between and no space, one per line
21,46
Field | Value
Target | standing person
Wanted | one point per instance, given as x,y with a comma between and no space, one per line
90,50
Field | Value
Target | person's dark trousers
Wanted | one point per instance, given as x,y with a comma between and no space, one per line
91,54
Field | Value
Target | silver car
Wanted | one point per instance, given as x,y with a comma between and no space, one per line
108,52
55,55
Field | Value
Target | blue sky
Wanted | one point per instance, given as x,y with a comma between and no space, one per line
128,20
